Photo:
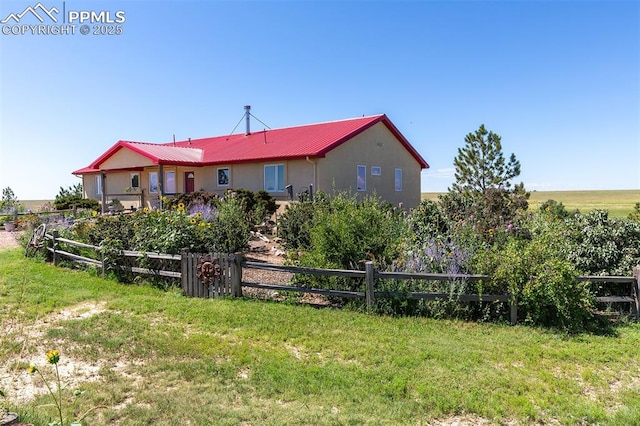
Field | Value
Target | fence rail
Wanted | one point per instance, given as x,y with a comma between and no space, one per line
218,275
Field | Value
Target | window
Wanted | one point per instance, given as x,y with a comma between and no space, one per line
223,177
274,178
170,182
153,182
98,184
398,178
135,180
376,170
362,178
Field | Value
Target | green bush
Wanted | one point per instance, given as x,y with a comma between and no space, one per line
635,214
349,232
600,245
294,226
72,197
229,232
540,280
427,221
257,206
554,209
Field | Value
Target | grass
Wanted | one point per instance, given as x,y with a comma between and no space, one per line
619,203
164,359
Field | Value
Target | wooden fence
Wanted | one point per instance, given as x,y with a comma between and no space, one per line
220,275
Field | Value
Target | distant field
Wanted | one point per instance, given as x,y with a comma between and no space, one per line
619,202
35,205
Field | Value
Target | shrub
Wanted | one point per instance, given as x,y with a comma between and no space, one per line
599,245
257,206
554,209
635,214
294,225
229,232
540,280
348,232
72,197
427,221
189,200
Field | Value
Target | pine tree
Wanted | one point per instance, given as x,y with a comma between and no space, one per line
480,165
483,192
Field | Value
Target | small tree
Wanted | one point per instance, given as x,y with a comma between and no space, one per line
69,197
9,199
481,166
483,190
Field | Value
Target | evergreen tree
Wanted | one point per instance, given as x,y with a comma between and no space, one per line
9,199
481,166
482,191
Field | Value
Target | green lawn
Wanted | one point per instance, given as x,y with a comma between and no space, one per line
619,202
154,357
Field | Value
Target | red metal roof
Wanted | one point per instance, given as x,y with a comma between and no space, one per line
311,140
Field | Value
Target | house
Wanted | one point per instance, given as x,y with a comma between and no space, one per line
365,155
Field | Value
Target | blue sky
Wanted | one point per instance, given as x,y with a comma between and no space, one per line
558,80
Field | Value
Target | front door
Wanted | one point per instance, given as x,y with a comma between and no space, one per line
189,182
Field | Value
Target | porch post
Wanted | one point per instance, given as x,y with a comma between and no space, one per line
160,184
103,191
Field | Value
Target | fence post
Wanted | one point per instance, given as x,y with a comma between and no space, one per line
513,304
54,243
636,290
370,285
102,260
184,276
236,275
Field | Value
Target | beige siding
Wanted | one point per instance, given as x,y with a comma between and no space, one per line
125,158
377,147
89,187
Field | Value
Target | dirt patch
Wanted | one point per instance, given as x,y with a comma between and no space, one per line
15,380
9,239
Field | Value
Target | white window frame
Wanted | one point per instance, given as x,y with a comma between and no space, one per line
227,175
376,171
279,186
98,184
398,179
361,174
153,179
170,183
132,176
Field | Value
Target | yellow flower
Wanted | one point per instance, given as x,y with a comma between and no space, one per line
193,221
146,209
94,213
53,356
32,369
181,206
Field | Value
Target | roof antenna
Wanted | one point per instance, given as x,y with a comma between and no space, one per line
174,139
189,141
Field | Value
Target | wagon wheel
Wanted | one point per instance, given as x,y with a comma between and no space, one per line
36,241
